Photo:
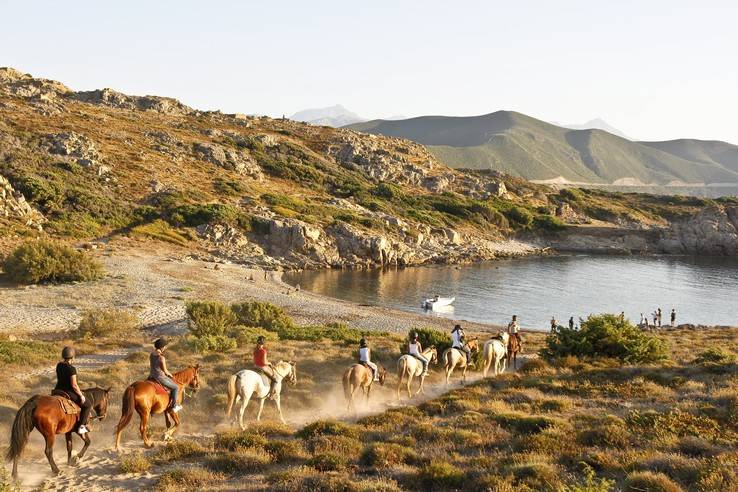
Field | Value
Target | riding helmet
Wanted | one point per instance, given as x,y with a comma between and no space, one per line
261,340
414,336
160,343
362,342
68,353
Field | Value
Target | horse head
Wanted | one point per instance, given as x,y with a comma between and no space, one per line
434,354
473,344
382,375
194,382
99,397
292,376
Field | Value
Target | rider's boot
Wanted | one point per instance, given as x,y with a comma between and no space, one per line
271,395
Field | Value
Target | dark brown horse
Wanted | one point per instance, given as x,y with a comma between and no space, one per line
142,397
513,348
46,414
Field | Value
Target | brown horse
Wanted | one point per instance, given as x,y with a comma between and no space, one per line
453,358
143,397
360,376
46,414
513,348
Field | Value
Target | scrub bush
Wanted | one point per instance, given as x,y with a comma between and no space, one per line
107,323
45,261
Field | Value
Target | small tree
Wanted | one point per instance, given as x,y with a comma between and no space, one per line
605,335
47,261
210,318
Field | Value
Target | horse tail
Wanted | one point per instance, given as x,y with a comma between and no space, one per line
347,384
129,404
22,427
232,394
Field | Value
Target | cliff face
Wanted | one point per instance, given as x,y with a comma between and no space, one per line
281,193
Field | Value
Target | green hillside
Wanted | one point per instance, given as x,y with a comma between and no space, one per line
518,144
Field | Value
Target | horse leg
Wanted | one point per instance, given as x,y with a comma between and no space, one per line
261,408
242,409
368,390
86,439
143,426
487,363
449,370
278,402
68,437
463,375
409,384
49,437
400,375
175,423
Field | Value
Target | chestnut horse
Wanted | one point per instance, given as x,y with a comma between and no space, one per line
360,376
46,414
142,397
513,348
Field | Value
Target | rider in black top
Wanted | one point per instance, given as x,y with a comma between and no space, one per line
66,381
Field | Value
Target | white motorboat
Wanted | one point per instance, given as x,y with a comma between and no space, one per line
438,302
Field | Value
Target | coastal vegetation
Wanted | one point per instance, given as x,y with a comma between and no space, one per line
35,262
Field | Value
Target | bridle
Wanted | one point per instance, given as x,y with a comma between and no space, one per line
287,375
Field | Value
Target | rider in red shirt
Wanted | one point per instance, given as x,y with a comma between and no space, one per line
262,363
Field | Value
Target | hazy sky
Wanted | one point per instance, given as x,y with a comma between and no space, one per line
654,69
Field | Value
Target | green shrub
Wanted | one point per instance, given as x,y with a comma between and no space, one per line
107,323
210,318
524,424
715,356
243,460
610,432
326,428
233,440
429,337
46,261
208,213
548,223
383,455
647,481
246,336
326,462
27,352
162,231
440,475
519,215
212,343
605,336
262,315
135,463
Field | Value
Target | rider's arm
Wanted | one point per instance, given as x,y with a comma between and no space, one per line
420,348
163,362
76,389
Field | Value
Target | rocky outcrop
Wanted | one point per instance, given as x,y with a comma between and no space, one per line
80,149
13,205
713,231
235,160
115,99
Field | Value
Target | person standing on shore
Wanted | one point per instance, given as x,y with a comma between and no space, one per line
673,317
571,323
641,322
658,313
513,329
553,324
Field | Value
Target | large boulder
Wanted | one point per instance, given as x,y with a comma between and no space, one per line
115,99
234,160
79,148
14,205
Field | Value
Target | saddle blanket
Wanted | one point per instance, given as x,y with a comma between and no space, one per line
67,405
160,390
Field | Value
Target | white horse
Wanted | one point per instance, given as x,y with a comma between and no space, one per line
495,349
246,383
410,367
453,358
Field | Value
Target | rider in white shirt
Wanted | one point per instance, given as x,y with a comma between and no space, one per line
414,349
458,342
365,356
513,328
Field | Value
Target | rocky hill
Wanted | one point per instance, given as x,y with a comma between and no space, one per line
277,193
533,149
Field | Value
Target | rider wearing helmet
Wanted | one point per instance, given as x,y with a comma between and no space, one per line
66,383
458,342
414,349
365,356
262,363
160,373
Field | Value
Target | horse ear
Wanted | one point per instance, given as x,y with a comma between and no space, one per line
108,389
197,367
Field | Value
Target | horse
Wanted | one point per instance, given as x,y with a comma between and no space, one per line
360,376
453,358
143,397
410,366
495,349
46,414
246,383
513,348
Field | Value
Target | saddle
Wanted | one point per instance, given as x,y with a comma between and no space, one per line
65,402
158,387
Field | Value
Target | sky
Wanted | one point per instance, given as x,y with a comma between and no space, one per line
655,69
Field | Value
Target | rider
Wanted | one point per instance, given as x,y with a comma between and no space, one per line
66,382
513,328
365,356
416,351
160,373
458,342
261,361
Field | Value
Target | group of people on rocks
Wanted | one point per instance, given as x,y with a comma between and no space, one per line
656,319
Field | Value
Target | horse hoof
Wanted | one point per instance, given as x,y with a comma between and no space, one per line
149,446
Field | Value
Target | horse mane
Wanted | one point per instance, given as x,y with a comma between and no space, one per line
185,374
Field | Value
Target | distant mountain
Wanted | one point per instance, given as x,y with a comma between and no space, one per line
533,149
331,116
595,124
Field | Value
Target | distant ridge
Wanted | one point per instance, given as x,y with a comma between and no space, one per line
334,116
533,149
595,124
